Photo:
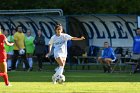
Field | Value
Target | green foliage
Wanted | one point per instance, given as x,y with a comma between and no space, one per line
77,6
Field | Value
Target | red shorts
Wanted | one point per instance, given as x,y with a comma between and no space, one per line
3,56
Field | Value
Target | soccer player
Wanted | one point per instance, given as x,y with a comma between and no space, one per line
29,44
19,45
107,57
3,57
136,49
59,41
9,49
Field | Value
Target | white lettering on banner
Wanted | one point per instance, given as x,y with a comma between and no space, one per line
119,30
46,24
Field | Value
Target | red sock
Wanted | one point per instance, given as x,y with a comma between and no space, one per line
5,77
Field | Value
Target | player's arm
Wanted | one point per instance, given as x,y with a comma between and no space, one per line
49,50
76,38
7,43
113,55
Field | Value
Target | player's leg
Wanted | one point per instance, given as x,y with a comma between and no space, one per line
17,63
39,59
14,59
61,62
9,61
137,67
108,62
30,60
9,65
102,61
3,73
64,61
25,60
23,65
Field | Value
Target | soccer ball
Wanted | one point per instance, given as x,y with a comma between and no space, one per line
21,52
60,79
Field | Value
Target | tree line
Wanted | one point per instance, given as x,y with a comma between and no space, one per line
71,7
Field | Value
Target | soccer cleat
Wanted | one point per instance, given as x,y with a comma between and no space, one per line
9,85
53,79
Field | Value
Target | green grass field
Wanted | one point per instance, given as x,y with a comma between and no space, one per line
76,82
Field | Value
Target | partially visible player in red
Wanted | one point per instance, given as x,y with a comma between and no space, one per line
3,57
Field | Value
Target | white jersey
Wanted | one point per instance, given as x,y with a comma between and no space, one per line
60,44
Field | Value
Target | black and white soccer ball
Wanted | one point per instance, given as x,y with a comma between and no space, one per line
22,52
60,79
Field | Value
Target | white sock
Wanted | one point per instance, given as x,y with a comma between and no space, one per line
9,63
23,65
56,69
17,63
30,60
59,71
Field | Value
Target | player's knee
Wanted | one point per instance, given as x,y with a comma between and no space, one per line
99,59
107,59
61,64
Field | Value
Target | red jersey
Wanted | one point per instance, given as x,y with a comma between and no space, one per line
2,39
3,55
